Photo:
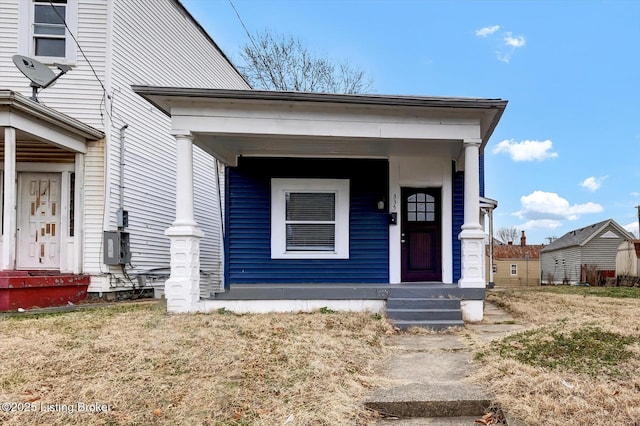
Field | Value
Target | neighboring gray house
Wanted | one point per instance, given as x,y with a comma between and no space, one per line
583,253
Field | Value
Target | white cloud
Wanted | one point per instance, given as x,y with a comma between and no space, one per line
526,150
633,228
505,42
514,42
502,57
547,208
486,31
635,194
593,183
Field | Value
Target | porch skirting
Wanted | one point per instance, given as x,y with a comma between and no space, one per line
41,289
265,298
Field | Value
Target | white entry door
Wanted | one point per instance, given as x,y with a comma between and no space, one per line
38,236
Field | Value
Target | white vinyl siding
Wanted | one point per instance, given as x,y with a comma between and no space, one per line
599,250
155,43
12,78
93,207
176,54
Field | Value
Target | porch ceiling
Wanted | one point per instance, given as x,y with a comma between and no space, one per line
229,147
232,123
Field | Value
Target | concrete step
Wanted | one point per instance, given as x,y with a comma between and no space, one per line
443,291
432,324
424,314
422,303
429,421
430,400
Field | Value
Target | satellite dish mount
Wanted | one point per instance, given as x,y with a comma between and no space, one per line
40,75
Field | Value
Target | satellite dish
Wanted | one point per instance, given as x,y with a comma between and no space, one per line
40,75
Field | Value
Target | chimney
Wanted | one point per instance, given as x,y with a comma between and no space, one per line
523,240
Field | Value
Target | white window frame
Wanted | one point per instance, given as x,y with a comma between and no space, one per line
26,42
279,189
514,269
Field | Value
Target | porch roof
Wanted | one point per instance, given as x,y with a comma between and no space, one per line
229,123
36,121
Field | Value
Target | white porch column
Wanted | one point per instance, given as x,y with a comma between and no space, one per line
472,235
182,289
10,200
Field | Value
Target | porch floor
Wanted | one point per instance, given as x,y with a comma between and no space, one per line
345,291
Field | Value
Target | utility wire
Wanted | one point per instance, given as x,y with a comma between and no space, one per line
64,21
104,90
244,26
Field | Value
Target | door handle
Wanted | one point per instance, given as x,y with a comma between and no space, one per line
402,241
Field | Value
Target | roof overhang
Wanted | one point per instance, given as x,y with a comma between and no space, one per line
488,203
231,123
45,124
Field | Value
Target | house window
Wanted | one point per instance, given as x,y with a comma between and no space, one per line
48,28
514,269
45,30
309,219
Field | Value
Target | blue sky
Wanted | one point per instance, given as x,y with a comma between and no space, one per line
566,153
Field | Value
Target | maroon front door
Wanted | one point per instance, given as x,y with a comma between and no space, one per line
421,236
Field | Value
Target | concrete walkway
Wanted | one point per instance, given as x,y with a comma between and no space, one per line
428,375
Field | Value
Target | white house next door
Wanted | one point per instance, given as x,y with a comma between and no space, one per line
38,239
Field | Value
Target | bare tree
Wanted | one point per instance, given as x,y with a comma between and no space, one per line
509,234
282,62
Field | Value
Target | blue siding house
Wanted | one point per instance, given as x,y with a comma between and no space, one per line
249,259
346,201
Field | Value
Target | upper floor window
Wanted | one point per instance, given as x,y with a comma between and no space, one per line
49,28
45,30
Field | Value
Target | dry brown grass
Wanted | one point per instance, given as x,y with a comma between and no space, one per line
214,369
562,395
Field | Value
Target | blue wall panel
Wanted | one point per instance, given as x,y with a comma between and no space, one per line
248,230
458,220
481,168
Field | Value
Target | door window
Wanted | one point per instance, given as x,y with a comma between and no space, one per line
421,207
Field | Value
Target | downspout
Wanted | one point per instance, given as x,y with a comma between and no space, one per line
491,283
120,217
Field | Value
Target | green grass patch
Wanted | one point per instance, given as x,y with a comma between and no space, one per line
588,350
618,292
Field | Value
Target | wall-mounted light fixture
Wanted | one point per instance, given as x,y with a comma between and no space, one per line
381,204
